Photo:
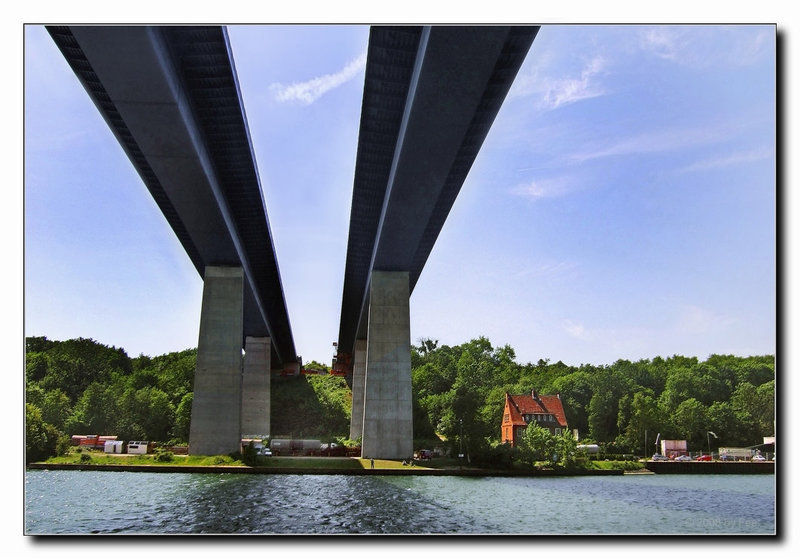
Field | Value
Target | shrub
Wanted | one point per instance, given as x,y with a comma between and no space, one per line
86,458
164,455
250,455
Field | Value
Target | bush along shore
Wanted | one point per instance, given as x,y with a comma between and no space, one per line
235,463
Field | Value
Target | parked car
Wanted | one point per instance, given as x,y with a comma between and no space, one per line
659,458
683,458
758,458
704,458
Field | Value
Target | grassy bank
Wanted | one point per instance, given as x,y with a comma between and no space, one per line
627,465
292,463
101,458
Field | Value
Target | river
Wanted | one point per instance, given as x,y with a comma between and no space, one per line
75,502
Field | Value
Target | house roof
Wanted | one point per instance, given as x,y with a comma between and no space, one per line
543,403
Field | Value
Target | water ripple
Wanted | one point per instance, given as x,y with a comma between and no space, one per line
69,502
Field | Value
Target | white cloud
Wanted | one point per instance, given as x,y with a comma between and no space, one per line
571,90
658,142
664,41
730,160
705,46
309,91
543,188
556,92
547,269
575,329
695,320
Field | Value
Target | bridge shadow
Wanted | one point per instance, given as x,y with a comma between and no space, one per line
298,411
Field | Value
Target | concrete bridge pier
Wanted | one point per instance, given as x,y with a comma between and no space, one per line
256,387
216,422
359,374
388,430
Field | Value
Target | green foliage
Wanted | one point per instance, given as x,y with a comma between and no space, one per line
459,392
96,411
183,417
172,373
56,407
690,420
250,455
42,440
148,414
86,458
164,455
310,406
537,445
333,399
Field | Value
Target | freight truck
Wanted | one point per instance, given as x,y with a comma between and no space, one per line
295,447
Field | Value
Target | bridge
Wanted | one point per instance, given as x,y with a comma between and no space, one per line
171,97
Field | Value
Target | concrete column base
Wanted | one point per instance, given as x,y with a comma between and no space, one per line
359,372
216,423
388,428
256,388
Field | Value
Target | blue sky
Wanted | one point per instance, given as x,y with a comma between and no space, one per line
623,204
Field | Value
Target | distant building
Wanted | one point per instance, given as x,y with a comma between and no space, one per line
545,410
674,448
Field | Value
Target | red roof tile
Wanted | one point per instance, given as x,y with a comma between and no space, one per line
526,403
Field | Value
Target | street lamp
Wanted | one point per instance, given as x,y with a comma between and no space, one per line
709,440
460,441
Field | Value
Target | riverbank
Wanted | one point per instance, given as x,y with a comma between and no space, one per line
715,467
325,470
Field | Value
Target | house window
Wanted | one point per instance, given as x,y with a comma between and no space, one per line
558,431
506,417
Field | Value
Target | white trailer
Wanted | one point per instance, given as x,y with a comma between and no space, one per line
138,447
113,447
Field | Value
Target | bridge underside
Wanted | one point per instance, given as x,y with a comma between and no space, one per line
430,97
171,97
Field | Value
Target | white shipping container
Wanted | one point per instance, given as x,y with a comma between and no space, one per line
112,447
137,447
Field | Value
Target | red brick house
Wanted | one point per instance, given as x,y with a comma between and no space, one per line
545,410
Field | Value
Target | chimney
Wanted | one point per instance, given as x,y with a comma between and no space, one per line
534,394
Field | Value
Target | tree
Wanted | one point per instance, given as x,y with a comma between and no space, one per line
183,416
42,440
644,421
723,422
765,413
96,411
745,404
604,406
56,407
566,449
145,414
691,421
576,393
537,444
426,345
35,366
333,399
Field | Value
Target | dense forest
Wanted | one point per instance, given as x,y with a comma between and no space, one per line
461,390
81,386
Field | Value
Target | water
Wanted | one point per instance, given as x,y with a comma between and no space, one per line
74,502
